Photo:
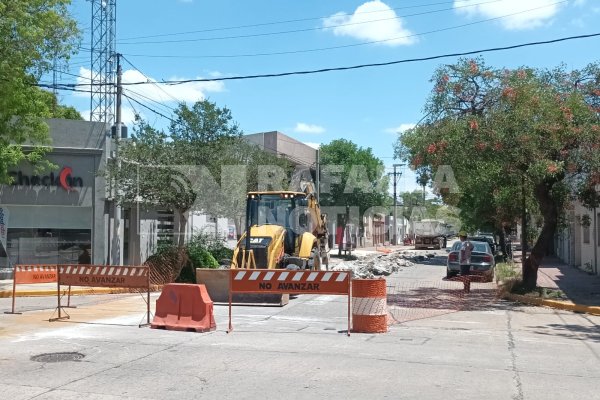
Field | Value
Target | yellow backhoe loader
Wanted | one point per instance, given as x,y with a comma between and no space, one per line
284,229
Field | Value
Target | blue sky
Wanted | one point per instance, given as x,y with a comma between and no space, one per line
188,39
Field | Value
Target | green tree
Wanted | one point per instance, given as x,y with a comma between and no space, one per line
33,35
57,110
512,136
202,164
416,198
362,179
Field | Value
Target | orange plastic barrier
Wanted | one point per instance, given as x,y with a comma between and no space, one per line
287,281
29,274
184,307
369,305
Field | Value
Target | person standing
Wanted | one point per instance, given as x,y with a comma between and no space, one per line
464,254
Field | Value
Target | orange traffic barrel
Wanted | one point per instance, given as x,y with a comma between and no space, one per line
369,306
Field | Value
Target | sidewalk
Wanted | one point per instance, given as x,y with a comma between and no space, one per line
581,288
49,289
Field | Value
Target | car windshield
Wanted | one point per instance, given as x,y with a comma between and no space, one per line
480,247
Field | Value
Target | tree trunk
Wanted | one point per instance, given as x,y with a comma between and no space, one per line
182,229
549,209
239,229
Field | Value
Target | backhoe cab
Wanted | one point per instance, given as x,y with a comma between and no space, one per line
283,230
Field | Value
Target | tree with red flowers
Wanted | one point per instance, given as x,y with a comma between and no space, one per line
509,136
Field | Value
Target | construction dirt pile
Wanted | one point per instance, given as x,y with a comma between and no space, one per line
380,264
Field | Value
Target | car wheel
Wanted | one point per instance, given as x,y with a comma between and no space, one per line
450,274
490,277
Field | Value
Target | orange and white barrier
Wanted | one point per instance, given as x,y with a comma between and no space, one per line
30,274
292,282
35,274
369,305
104,276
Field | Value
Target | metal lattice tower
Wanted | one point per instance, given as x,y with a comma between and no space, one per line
104,24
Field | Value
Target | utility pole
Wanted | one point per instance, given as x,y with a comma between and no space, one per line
318,176
117,234
523,222
396,175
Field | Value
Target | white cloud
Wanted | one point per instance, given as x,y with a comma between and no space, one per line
385,26
400,129
301,127
519,14
313,144
127,115
186,92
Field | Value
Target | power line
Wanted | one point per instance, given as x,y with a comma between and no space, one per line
403,61
304,29
150,108
152,100
360,66
150,80
295,20
348,45
135,112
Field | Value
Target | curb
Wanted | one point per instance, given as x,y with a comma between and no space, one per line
560,305
74,292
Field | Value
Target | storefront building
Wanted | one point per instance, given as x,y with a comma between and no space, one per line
58,215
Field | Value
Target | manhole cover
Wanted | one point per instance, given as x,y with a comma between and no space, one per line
57,357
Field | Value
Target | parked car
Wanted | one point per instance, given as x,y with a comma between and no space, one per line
482,260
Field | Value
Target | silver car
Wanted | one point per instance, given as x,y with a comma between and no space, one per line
482,261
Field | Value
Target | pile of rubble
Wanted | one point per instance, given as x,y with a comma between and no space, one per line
381,264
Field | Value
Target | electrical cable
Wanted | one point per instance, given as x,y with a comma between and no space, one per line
150,80
296,20
304,29
348,45
360,66
171,109
150,108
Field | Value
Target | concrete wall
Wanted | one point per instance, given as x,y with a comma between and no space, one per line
571,245
284,146
588,242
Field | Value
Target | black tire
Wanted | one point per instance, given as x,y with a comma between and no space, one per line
450,274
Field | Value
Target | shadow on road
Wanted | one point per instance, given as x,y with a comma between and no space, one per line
419,300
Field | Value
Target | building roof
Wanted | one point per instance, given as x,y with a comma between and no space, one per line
285,146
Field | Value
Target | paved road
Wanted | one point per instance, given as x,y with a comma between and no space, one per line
498,350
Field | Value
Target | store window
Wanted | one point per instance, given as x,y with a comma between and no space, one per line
49,246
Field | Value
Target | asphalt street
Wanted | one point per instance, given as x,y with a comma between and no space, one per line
477,347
